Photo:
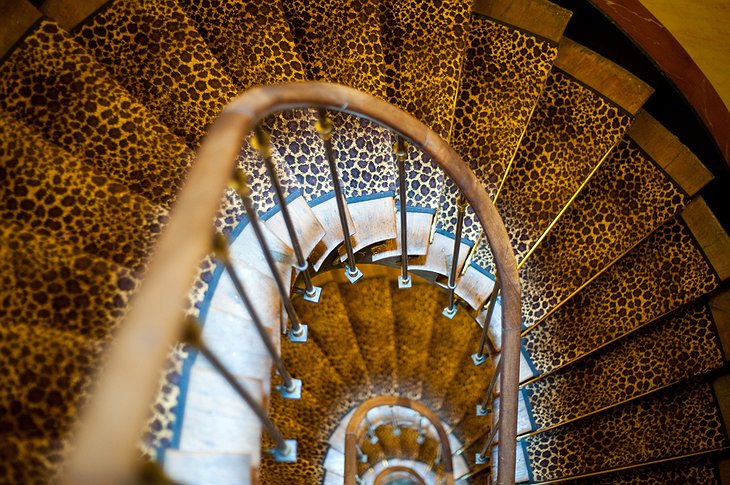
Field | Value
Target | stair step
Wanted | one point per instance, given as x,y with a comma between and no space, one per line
252,42
415,311
180,82
50,283
217,419
665,271
627,198
200,468
330,329
331,478
449,340
700,469
53,193
334,462
47,373
586,107
30,460
498,108
53,84
339,42
679,346
678,421
369,310
424,42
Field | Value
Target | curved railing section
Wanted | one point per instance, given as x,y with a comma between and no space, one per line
665,51
113,421
357,427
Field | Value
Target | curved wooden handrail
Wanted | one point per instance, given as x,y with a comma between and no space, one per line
116,414
665,51
385,474
355,423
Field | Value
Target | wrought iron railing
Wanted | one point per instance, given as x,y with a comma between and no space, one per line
106,437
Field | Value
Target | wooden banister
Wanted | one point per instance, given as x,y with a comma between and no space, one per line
106,437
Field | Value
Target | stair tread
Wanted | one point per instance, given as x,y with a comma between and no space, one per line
200,468
415,311
330,328
50,283
47,377
53,193
425,84
180,82
689,470
216,418
339,42
632,292
52,83
682,345
570,132
627,198
674,422
253,42
368,308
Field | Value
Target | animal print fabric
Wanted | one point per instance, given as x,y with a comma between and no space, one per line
54,85
681,420
665,271
625,200
682,345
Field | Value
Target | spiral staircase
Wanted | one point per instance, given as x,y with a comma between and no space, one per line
622,264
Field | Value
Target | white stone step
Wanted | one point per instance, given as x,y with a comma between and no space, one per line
419,230
459,465
259,287
196,468
334,462
328,216
333,479
375,222
246,248
474,287
440,254
238,345
495,324
308,229
217,419
521,473
337,438
524,422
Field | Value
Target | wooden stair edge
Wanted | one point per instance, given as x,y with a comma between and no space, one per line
68,13
18,18
721,388
664,148
720,308
603,76
540,17
712,238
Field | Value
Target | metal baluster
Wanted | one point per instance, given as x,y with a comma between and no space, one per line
262,143
394,422
286,450
371,431
292,388
479,356
461,204
361,457
324,128
483,408
298,332
421,432
404,280
482,458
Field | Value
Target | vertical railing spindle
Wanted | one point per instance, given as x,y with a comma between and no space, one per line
461,203
292,388
404,280
298,332
262,143
482,458
479,356
286,450
483,407
325,127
